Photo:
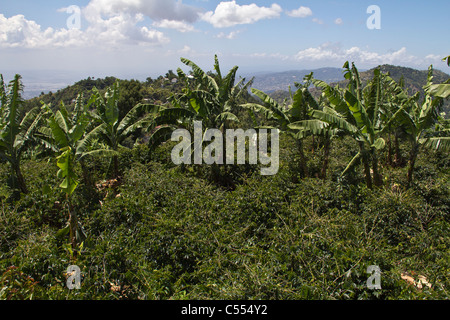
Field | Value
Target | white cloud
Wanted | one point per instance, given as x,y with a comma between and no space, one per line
334,53
164,13
339,21
318,21
154,9
174,24
105,28
186,50
301,12
17,31
229,14
122,29
433,57
230,36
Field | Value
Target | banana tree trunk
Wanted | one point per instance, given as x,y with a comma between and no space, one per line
389,143
412,161
366,164
303,167
326,156
20,179
377,178
86,176
313,144
398,161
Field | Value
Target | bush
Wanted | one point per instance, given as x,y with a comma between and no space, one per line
167,233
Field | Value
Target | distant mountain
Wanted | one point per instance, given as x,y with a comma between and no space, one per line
277,84
280,81
414,79
275,81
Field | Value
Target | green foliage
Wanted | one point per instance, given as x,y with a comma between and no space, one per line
16,127
111,128
166,232
66,171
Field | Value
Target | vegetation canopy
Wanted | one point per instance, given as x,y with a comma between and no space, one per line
362,184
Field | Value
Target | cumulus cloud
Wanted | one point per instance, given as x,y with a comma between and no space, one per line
301,12
17,31
228,14
164,13
174,24
109,23
122,29
335,53
154,9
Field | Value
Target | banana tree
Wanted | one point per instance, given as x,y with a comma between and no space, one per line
63,134
315,127
292,119
109,128
356,111
212,97
16,130
394,95
208,97
441,90
419,119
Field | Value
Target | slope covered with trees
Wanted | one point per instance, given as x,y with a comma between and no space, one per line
88,180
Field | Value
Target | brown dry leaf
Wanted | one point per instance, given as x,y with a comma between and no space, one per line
423,281
407,277
420,283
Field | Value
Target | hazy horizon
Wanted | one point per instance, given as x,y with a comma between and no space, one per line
37,81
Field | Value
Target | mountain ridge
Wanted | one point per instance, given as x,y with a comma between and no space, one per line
280,81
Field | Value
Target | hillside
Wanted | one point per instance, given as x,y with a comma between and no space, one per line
84,197
277,84
414,79
133,91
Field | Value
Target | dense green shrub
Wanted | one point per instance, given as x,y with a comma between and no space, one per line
166,232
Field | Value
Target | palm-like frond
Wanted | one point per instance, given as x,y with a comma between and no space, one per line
128,124
437,143
29,125
335,121
440,90
160,135
273,106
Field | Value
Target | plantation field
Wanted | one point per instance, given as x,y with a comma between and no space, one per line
363,181
164,234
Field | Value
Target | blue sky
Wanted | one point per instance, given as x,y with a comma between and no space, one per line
135,38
